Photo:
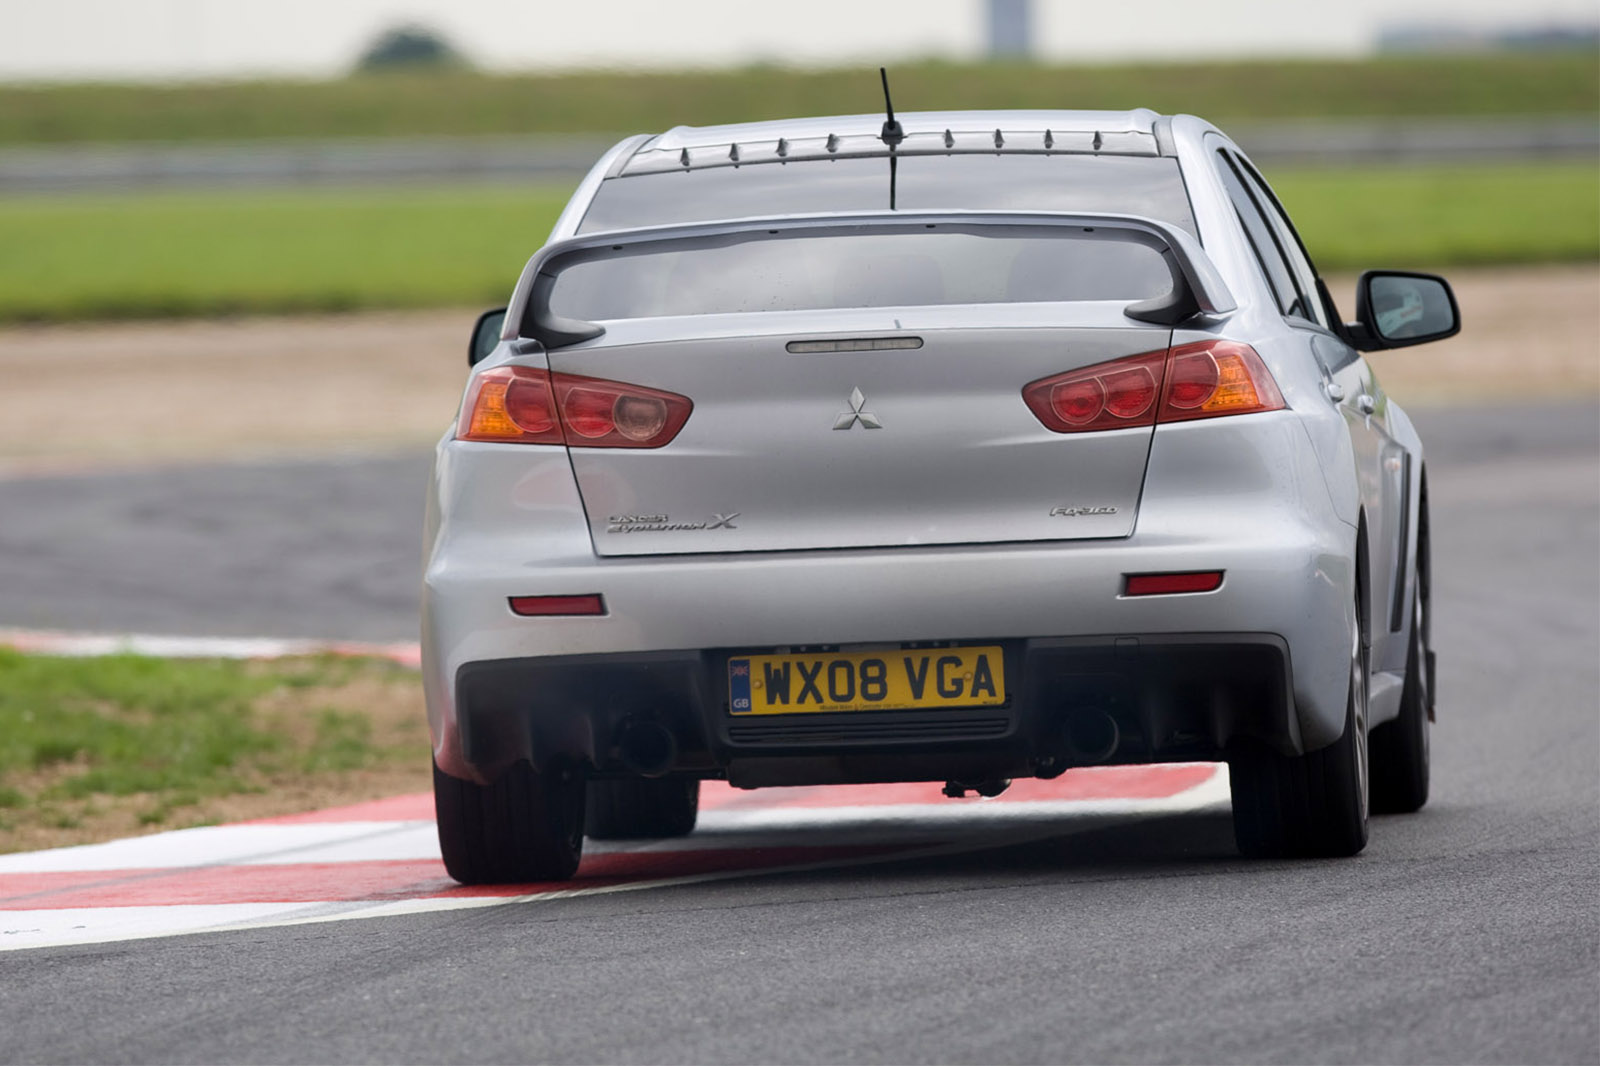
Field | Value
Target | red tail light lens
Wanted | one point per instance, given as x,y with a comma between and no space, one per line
609,414
1105,396
1202,380
530,405
588,412
526,405
1078,402
1130,393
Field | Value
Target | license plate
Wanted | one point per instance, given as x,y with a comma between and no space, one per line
866,681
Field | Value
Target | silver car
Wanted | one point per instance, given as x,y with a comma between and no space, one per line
959,448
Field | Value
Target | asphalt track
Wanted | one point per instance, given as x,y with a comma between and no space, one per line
1467,933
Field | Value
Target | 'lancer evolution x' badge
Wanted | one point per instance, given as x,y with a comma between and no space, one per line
660,523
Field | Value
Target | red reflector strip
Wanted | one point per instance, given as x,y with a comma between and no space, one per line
1165,584
533,606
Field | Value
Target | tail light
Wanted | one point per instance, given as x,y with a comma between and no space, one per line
1215,378
1202,380
526,405
1108,396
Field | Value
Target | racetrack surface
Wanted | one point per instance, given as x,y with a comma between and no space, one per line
1467,933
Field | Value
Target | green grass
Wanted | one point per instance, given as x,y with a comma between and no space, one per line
1444,216
80,736
160,255
465,103
157,255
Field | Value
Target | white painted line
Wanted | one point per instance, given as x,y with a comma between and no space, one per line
238,845
88,645
102,925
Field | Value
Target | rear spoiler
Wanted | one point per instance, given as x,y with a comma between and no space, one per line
1197,287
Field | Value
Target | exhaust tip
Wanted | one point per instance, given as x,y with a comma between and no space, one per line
646,747
1092,735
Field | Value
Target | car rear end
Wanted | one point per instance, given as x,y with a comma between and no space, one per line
869,500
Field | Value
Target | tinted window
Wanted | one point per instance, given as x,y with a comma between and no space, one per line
1293,248
1136,185
857,270
1270,257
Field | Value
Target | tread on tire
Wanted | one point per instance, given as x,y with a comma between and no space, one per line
1401,748
642,808
526,826
1306,805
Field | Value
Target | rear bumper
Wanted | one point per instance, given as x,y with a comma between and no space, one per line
1172,697
1265,655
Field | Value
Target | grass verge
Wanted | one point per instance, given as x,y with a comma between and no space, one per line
1445,216
449,104
102,747
165,255
162,255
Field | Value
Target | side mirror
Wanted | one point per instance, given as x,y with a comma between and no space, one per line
1397,308
485,335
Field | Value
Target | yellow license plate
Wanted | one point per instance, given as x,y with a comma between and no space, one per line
866,681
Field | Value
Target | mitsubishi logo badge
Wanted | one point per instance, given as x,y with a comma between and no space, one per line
849,418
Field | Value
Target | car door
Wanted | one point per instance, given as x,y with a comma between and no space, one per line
1383,464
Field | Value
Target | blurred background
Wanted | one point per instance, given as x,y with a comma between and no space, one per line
259,233
242,246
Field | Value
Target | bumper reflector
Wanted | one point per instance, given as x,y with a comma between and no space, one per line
536,606
1166,584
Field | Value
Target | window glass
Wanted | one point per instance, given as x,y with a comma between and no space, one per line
1261,238
786,273
1137,185
1293,249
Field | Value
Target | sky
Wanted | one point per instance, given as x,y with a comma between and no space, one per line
58,40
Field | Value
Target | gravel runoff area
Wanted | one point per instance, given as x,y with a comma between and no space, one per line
150,394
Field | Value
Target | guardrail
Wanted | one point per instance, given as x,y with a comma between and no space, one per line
565,158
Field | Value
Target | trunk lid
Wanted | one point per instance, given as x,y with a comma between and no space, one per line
798,442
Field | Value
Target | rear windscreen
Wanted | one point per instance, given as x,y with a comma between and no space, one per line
918,268
1124,185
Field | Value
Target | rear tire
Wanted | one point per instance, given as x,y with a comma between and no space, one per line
1401,749
1313,804
642,808
526,826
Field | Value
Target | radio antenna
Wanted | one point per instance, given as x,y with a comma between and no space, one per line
891,135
